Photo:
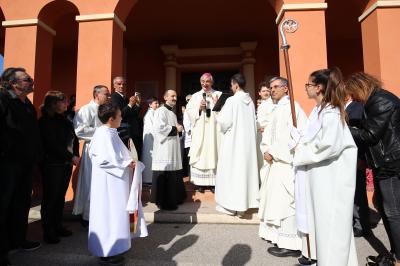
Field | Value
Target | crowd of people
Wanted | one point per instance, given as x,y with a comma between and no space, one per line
306,175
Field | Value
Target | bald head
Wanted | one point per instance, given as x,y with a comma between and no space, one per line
170,97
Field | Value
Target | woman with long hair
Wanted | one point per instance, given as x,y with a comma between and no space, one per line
379,132
328,155
61,151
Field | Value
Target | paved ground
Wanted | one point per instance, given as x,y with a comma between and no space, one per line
178,244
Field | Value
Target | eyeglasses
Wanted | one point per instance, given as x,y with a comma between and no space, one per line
276,87
307,85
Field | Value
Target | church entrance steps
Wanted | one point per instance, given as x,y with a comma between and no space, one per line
192,194
202,212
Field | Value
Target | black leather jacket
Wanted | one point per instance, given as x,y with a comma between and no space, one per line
380,131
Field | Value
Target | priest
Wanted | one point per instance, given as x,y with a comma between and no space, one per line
167,187
237,181
277,194
112,170
205,135
85,124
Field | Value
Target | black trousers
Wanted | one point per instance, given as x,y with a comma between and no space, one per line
56,179
168,190
15,200
361,218
388,203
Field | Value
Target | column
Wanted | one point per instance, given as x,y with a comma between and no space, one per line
248,62
170,64
308,50
100,53
29,44
380,37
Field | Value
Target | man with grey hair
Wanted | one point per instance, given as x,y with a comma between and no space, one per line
85,123
132,125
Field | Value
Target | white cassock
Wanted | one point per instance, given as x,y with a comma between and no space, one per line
237,181
264,113
85,123
205,140
109,225
328,155
148,139
187,130
277,192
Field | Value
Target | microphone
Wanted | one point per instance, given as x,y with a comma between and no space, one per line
208,110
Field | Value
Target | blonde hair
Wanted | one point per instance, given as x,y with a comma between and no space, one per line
361,85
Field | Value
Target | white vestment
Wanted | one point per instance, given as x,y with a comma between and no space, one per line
187,133
264,113
237,181
166,149
277,193
205,140
109,225
147,150
328,155
85,123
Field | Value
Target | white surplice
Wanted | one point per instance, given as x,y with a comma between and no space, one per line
109,226
237,181
147,150
166,149
277,193
85,123
187,130
328,155
205,140
264,113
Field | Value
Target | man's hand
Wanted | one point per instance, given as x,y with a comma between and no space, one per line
179,128
202,105
132,165
268,157
75,160
132,100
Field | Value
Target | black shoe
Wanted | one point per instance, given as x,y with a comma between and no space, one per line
51,238
283,252
200,189
113,260
212,189
380,260
84,223
305,261
30,245
63,232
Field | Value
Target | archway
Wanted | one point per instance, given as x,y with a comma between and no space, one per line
60,16
212,44
344,41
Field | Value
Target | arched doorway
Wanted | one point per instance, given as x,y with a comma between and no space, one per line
206,36
344,40
60,16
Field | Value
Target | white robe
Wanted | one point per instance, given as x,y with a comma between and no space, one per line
166,149
187,130
205,140
237,181
264,113
85,123
277,193
147,150
329,155
109,225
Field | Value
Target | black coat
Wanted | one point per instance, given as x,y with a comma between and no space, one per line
60,143
130,115
19,130
380,131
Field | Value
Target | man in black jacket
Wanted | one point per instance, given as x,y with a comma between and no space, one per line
131,126
380,134
20,150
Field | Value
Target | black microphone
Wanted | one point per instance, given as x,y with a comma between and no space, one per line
208,110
